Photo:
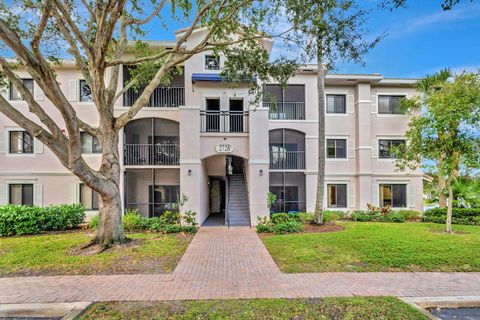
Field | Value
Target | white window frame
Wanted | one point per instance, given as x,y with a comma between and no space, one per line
205,62
79,93
347,146
390,93
337,92
7,143
405,182
378,138
11,86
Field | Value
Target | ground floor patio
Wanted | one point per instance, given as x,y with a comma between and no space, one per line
223,263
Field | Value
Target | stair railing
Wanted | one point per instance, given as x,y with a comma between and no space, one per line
227,205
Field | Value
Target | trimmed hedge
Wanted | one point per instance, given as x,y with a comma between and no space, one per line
468,216
21,220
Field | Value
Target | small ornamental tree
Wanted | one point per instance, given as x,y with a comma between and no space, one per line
96,34
447,129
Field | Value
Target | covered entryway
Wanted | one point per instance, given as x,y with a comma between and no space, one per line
227,191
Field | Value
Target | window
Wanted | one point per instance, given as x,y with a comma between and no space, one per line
164,198
287,149
393,195
385,147
15,94
89,198
20,194
337,148
289,188
85,92
212,62
90,144
390,104
20,142
336,103
337,195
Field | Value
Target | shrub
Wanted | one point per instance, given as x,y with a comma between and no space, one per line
288,227
132,220
332,215
469,216
278,218
170,217
361,216
189,218
409,214
305,217
21,220
392,217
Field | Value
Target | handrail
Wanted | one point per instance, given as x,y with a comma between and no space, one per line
285,110
227,209
284,159
162,97
248,197
223,121
151,154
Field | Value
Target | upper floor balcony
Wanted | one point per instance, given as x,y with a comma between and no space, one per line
151,142
224,121
284,103
287,149
171,96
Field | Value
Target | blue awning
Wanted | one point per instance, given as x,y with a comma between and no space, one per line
212,77
206,77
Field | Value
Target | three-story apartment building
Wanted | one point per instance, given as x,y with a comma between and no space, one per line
201,138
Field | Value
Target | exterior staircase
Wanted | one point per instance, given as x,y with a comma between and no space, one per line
238,210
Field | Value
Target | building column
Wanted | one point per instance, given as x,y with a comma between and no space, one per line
258,166
363,156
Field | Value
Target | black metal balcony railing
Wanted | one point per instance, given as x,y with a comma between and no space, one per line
287,160
285,110
223,121
162,97
151,155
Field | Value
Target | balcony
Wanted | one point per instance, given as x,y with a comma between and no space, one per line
224,121
151,155
162,97
285,110
287,160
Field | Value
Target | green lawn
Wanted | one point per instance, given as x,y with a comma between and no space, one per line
378,247
54,254
385,308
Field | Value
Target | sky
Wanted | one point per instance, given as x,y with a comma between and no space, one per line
421,39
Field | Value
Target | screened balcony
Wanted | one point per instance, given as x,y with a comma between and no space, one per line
172,95
287,149
223,121
284,104
289,188
152,191
151,142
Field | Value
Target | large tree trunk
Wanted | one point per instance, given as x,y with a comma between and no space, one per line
110,228
321,138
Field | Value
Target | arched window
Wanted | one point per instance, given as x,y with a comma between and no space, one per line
287,149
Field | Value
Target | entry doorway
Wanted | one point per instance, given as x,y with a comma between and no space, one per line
217,202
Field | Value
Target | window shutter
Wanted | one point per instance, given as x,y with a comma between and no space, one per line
351,195
38,146
374,148
351,148
37,91
38,194
350,104
375,194
411,195
3,194
74,190
72,90
374,102
2,141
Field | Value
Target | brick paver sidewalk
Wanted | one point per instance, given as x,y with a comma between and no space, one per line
222,263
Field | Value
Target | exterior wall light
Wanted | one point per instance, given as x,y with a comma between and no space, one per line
189,172
261,172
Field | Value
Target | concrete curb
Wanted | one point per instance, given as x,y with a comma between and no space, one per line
65,310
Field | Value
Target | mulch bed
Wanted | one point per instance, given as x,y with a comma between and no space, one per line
327,227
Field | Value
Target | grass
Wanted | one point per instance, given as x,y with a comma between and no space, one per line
386,308
378,247
54,254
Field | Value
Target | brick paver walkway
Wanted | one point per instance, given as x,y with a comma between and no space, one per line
222,263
